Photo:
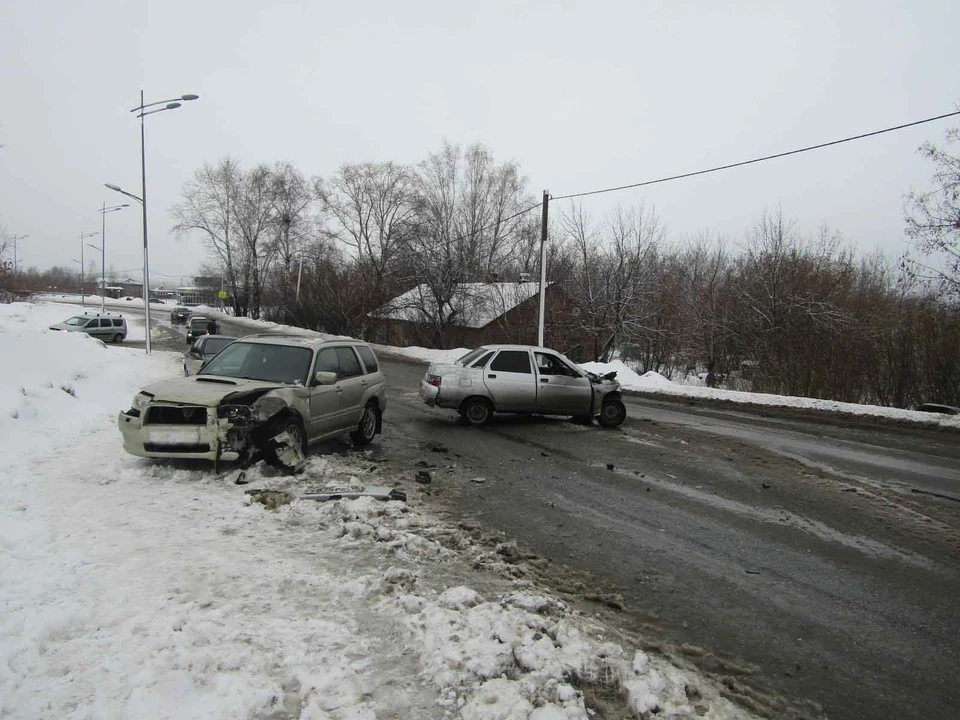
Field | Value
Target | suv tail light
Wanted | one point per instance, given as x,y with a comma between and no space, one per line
434,380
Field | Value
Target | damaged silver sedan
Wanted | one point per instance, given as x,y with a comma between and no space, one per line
264,397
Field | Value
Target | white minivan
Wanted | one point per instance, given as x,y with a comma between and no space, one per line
103,326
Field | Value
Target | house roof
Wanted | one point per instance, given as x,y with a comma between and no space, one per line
475,304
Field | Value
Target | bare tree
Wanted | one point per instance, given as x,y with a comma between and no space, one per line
614,280
933,219
371,205
207,204
467,224
295,223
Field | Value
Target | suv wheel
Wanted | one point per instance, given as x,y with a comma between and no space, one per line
118,338
367,429
289,449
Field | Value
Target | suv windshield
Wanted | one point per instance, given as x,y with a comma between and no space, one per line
79,320
198,323
259,361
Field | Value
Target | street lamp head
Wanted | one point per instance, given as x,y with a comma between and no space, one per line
190,96
172,106
112,187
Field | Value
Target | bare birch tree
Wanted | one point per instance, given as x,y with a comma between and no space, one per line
207,204
933,219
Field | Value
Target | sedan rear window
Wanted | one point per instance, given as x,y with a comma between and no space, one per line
215,343
482,362
470,356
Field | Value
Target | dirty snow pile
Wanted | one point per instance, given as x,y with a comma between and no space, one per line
133,588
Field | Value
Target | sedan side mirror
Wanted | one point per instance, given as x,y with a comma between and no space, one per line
325,378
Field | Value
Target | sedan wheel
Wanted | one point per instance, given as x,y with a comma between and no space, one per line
367,429
477,411
612,413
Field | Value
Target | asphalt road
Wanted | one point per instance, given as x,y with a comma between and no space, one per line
788,556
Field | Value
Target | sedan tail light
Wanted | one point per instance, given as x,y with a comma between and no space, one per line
434,380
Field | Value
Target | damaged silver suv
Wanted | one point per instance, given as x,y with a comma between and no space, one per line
267,397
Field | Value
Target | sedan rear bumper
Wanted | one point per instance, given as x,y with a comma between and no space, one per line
429,393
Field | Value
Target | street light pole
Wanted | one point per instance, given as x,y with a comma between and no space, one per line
103,250
80,274
172,104
83,236
16,276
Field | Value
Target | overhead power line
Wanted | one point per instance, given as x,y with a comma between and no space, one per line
756,160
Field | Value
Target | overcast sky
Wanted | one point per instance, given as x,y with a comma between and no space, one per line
583,95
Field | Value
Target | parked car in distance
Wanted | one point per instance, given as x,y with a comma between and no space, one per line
205,348
199,326
263,397
104,326
521,379
938,408
180,315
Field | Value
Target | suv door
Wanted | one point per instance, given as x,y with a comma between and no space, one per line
561,390
354,385
324,399
510,381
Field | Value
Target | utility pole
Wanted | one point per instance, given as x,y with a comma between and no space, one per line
543,264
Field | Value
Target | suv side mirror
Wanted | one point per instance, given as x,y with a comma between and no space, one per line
325,378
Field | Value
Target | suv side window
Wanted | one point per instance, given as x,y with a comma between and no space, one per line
117,322
349,365
92,323
369,359
327,361
517,361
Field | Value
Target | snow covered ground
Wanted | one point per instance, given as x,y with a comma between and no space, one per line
138,589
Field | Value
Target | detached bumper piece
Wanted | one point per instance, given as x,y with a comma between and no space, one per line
349,492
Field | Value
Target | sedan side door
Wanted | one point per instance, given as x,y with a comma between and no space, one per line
510,381
561,390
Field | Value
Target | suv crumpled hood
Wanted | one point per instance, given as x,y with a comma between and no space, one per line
208,390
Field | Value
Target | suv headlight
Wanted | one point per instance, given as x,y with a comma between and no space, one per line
234,413
140,401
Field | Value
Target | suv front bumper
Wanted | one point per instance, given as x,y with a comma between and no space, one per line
194,442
